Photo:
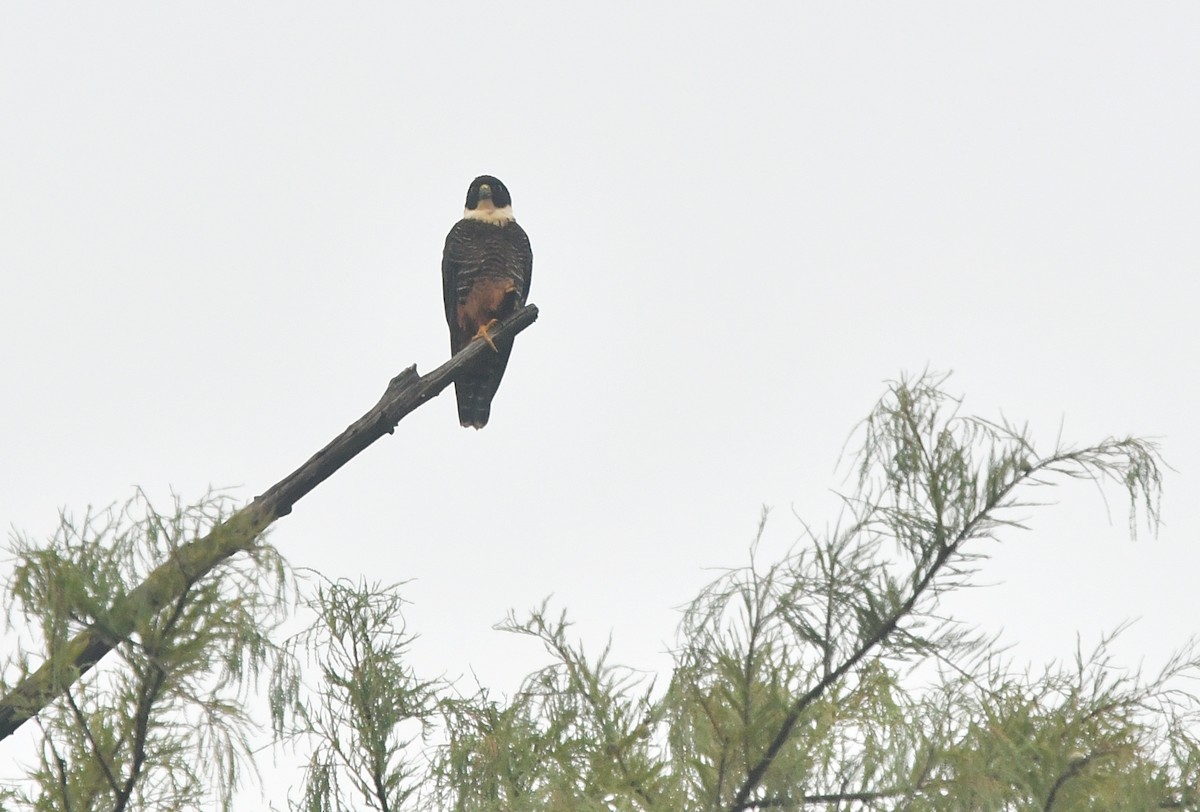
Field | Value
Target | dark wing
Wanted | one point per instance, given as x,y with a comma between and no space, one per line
455,256
522,261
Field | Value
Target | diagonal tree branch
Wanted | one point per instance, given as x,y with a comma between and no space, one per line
191,561
946,552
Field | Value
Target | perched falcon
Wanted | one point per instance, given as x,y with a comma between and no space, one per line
486,269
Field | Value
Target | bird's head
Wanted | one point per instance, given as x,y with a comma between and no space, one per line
488,200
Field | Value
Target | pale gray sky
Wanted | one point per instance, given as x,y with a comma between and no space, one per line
220,234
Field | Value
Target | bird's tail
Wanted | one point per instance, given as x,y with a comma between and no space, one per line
476,389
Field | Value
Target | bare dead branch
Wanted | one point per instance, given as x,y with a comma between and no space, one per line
191,561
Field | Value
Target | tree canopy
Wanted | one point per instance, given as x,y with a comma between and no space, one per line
828,678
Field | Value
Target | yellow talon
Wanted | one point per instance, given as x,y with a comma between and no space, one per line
483,333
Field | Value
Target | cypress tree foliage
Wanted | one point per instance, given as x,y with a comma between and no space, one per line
363,709
829,679
166,725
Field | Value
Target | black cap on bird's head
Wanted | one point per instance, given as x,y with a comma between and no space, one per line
489,189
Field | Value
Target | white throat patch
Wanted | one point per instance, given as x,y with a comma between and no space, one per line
488,213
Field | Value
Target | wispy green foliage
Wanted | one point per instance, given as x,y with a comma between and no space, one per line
364,710
799,666
576,736
828,679
165,726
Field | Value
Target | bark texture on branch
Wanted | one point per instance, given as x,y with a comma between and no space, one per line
191,561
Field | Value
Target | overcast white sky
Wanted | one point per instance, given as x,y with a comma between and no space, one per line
221,227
